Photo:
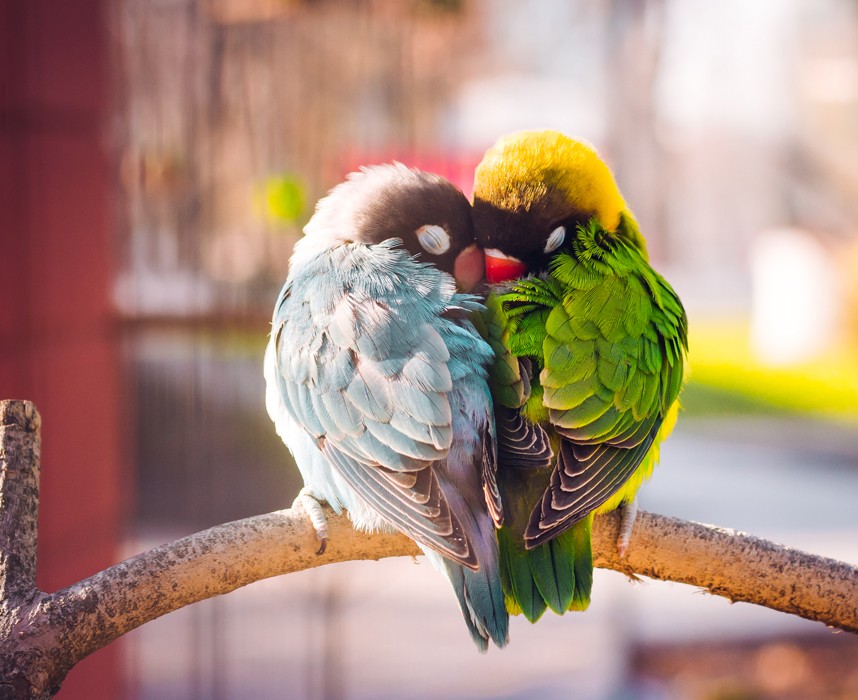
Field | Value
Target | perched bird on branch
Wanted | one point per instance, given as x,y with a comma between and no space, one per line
590,345
377,380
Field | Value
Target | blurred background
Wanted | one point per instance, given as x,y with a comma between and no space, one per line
158,159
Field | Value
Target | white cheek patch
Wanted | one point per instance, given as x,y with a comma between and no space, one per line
555,240
433,239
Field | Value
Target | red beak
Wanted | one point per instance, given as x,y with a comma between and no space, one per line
502,268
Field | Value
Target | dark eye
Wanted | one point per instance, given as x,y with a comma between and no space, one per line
555,240
433,239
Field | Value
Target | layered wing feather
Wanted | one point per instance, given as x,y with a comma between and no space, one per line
520,443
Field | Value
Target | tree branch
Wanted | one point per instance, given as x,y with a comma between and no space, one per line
734,565
19,490
219,560
59,629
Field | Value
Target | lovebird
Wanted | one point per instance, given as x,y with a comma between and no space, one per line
590,347
377,381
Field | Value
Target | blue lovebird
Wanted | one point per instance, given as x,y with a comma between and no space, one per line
376,378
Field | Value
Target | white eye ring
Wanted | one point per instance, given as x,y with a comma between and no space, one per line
555,240
433,239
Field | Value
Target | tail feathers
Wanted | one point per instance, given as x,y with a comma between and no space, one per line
479,592
552,566
582,536
480,596
557,574
520,591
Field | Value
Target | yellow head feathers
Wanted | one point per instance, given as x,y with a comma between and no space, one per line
549,168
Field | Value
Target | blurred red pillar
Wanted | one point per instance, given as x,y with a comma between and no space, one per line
58,342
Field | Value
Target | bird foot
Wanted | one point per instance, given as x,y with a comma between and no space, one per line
313,508
628,513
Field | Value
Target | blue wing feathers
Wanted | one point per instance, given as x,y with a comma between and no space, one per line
339,371
427,374
346,418
438,435
364,394
376,361
366,364
432,409
403,444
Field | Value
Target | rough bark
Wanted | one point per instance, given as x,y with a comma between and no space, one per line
43,635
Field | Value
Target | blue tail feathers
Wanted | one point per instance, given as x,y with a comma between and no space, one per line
480,597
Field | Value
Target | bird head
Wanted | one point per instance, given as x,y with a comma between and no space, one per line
531,192
429,214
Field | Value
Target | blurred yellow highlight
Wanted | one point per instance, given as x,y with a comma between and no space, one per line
721,358
281,199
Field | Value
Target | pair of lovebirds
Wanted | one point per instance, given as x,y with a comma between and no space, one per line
488,430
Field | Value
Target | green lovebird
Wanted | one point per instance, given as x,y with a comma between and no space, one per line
590,346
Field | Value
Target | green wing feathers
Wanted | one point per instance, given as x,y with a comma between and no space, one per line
611,363
607,338
510,385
